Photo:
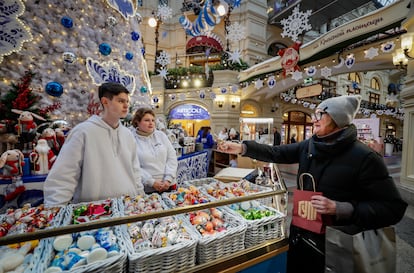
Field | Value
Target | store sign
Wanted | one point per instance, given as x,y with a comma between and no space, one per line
309,91
189,111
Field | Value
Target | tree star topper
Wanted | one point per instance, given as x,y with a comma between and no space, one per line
296,24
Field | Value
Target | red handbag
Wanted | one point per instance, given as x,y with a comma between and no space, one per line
304,214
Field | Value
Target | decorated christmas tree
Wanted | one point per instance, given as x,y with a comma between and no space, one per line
71,47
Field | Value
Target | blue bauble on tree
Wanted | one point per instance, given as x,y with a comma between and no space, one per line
105,49
54,89
67,22
129,56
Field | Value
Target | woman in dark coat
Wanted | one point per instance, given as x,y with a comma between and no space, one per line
356,186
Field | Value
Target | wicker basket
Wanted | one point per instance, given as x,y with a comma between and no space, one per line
210,248
38,251
174,258
217,184
117,263
261,230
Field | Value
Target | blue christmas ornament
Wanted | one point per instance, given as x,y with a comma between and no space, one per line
129,56
54,89
143,89
105,49
223,90
135,36
155,99
67,22
143,51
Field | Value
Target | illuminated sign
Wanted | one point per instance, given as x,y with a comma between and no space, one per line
189,111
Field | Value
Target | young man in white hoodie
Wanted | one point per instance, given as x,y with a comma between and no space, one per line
99,158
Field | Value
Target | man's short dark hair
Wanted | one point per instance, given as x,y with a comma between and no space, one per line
111,89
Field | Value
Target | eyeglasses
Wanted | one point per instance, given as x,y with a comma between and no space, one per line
318,115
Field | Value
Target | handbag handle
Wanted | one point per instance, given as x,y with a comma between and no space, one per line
301,180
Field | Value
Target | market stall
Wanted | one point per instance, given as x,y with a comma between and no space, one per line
264,253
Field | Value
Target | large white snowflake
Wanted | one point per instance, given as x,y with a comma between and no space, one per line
236,32
163,72
164,12
235,56
163,59
296,23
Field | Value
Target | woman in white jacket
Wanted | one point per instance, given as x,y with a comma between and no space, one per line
156,154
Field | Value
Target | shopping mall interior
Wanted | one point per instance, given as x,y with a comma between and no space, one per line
247,65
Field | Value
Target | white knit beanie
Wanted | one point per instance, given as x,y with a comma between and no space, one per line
341,109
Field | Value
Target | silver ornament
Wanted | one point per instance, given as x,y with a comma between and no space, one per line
111,21
69,57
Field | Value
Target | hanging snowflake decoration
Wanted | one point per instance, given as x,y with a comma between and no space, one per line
164,12
258,84
163,59
163,72
326,72
212,95
235,56
371,53
297,75
236,32
296,24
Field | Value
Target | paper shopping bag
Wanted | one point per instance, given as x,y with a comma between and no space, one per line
364,252
304,214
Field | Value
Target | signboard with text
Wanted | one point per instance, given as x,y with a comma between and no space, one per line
309,91
189,111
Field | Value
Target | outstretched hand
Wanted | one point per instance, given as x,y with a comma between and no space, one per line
230,147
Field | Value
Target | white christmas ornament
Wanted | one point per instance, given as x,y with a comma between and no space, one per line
326,72
297,75
163,59
13,31
371,53
164,12
296,23
258,84
163,72
236,32
109,72
235,56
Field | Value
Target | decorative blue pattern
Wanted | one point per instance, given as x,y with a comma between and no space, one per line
109,72
125,7
193,166
13,32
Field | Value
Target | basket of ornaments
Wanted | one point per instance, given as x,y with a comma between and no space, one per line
222,190
23,257
263,222
98,250
220,233
166,244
